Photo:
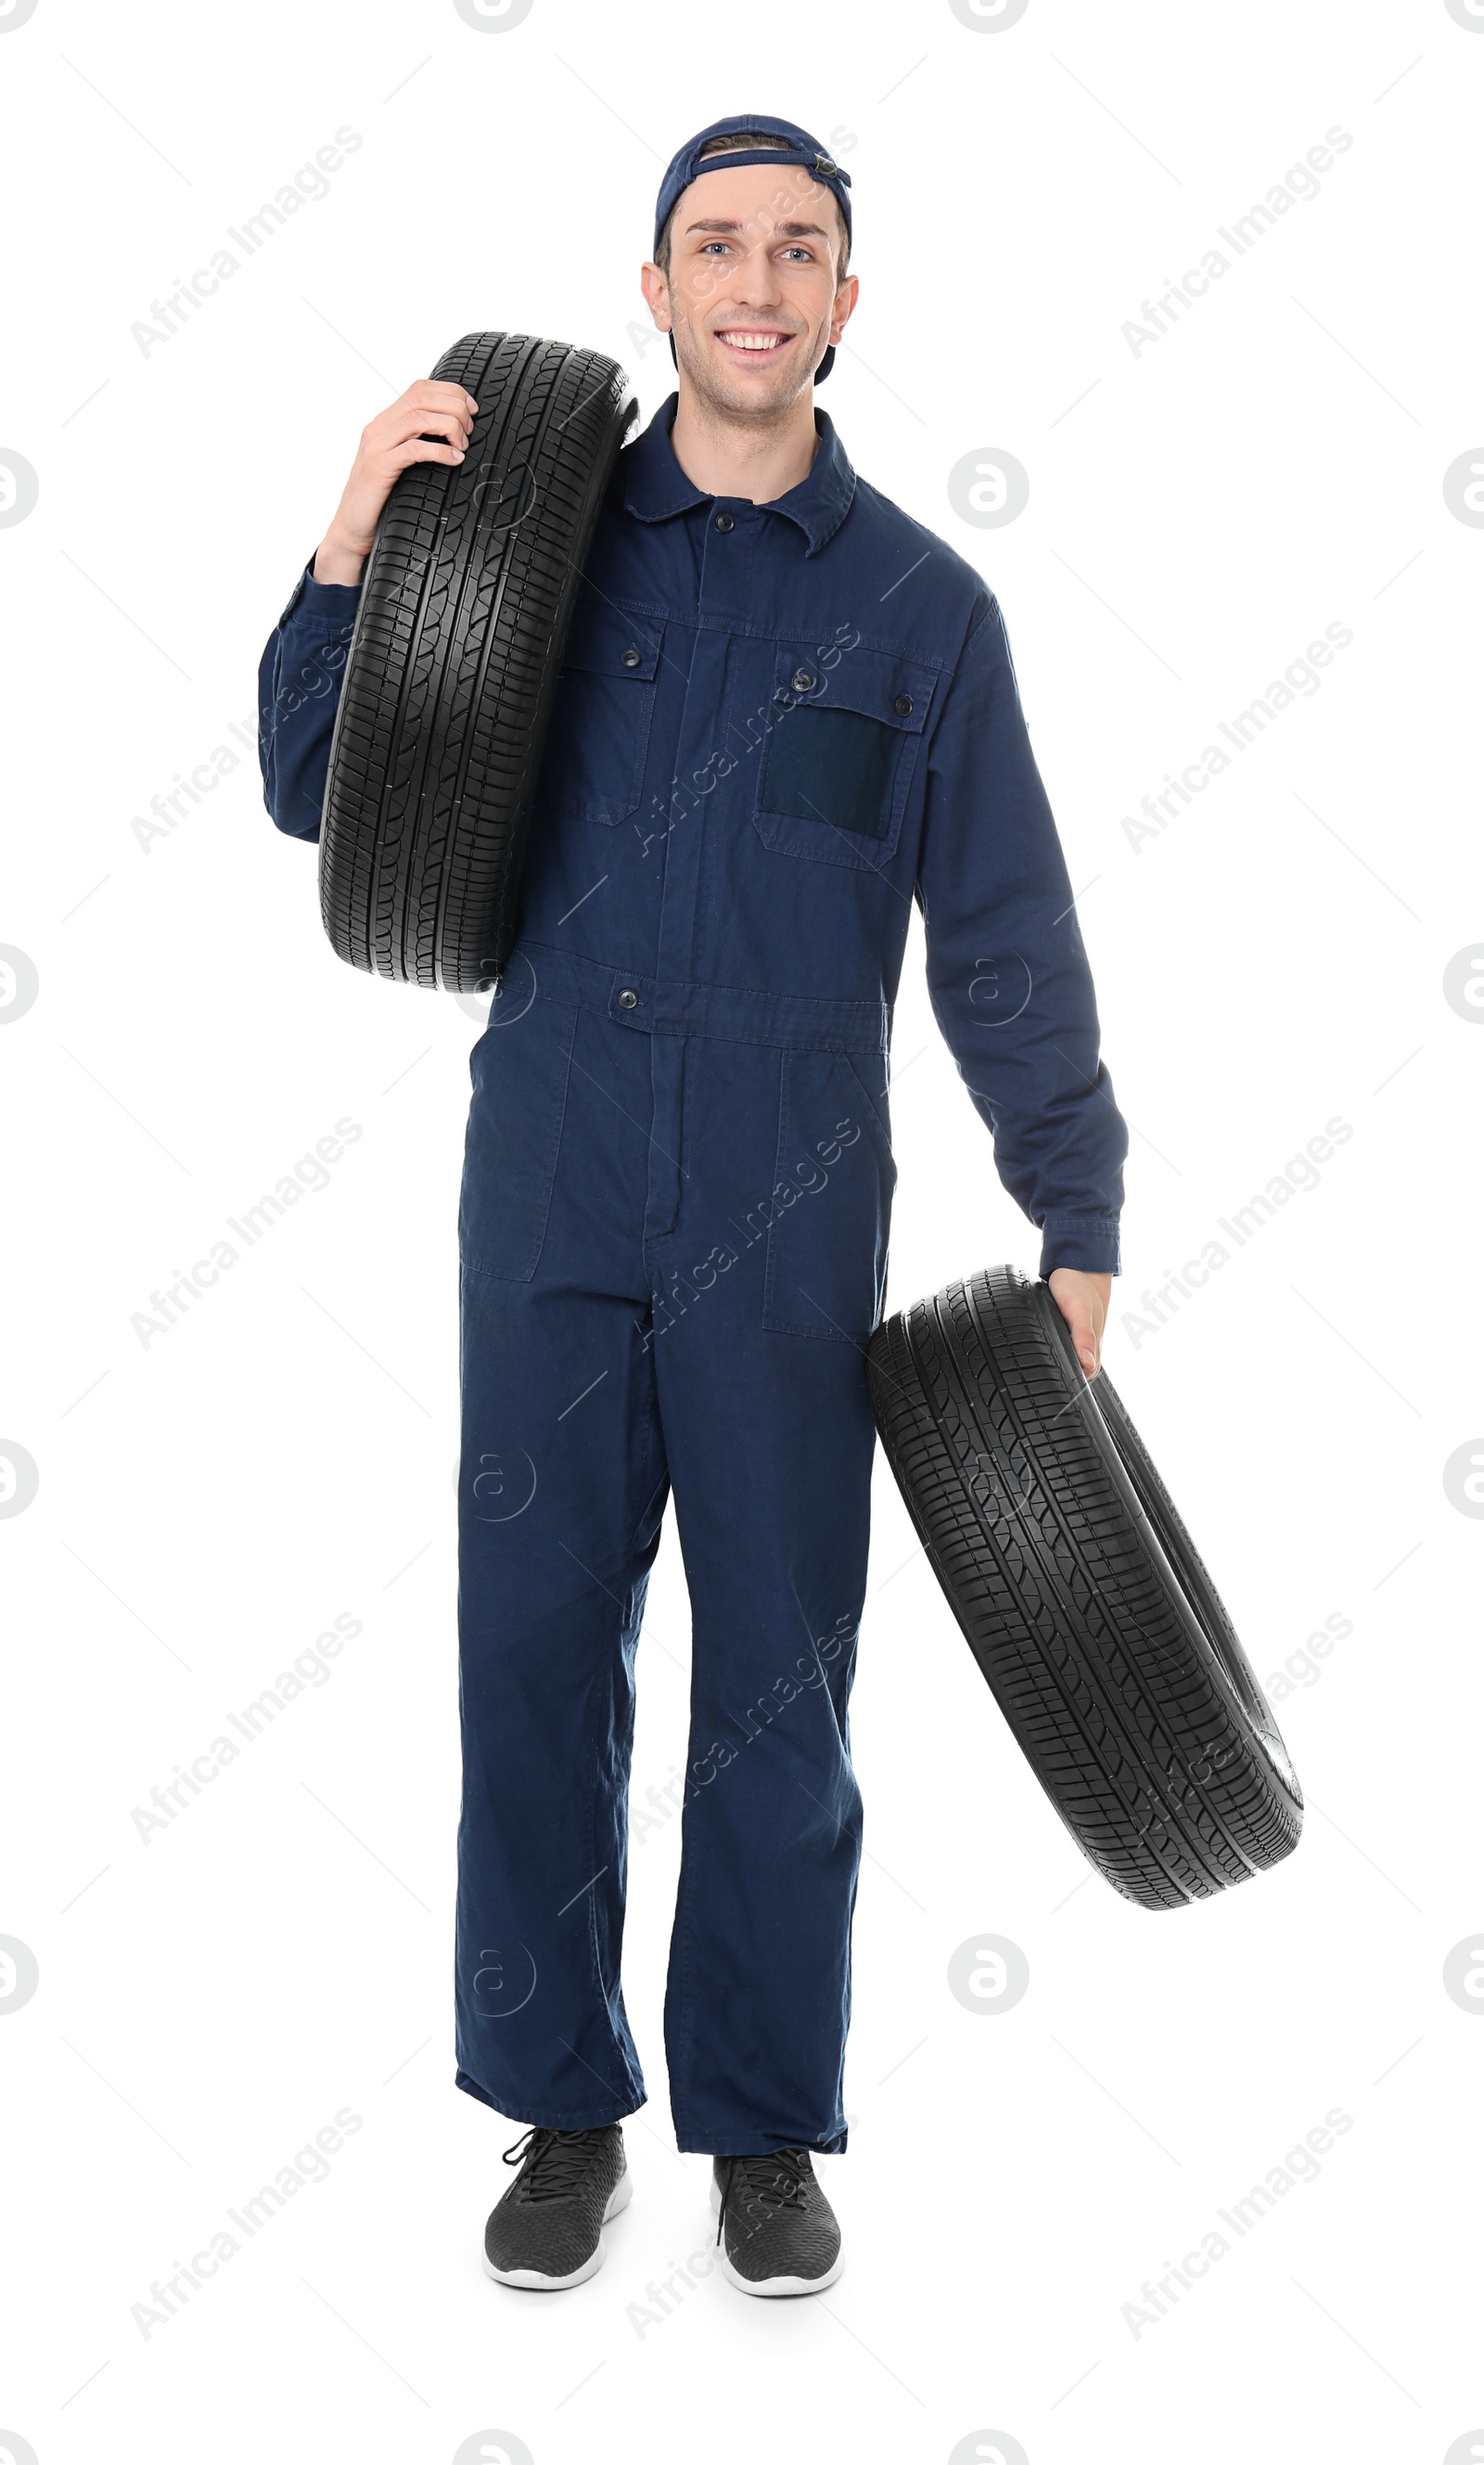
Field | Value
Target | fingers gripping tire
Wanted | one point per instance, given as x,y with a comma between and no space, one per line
464,608
1081,1593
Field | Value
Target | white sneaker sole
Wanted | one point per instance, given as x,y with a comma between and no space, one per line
771,2285
530,2280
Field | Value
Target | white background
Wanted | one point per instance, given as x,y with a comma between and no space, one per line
208,1504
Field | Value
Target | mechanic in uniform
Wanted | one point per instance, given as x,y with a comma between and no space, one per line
786,710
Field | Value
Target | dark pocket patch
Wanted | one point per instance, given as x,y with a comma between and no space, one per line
834,766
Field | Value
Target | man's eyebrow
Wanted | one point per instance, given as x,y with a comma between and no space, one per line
785,230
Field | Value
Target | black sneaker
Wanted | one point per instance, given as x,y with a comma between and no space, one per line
777,2230
547,2231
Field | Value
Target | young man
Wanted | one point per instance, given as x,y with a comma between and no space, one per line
785,711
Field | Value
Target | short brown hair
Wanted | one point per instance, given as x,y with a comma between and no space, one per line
747,141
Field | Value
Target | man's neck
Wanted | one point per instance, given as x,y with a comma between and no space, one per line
734,457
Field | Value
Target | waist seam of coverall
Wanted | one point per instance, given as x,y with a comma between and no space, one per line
721,1013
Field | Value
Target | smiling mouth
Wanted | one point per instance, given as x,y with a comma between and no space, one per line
753,343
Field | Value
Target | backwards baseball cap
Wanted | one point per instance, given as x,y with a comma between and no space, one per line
798,147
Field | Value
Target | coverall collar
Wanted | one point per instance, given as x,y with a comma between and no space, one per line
656,487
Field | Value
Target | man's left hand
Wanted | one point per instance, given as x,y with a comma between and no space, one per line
1083,1303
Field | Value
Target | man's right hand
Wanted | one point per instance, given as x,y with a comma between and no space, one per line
430,423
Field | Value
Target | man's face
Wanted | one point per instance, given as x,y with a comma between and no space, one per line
751,296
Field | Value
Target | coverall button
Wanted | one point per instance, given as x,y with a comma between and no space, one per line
903,705
801,680
631,657
724,522
628,999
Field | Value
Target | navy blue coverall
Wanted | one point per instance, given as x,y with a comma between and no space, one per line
776,726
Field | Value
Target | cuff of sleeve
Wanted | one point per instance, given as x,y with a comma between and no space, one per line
1089,1243
321,598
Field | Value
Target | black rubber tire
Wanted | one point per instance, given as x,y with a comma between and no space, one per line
466,600
1081,1593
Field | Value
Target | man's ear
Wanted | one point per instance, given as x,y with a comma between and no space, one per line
844,309
657,293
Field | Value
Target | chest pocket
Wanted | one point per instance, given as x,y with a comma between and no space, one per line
592,769
843,745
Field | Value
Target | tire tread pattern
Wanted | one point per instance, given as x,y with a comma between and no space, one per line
465,604
1081,1596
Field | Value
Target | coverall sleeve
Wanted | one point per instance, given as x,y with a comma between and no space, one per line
1006,970
299,683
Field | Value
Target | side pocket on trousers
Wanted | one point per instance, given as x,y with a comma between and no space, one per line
830,1213
520,1072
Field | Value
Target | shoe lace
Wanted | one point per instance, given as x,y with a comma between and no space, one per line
555,2163
779,2180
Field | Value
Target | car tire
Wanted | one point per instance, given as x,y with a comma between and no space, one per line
465,602
1082,1596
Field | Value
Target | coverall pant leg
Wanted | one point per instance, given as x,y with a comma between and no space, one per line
639,1308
